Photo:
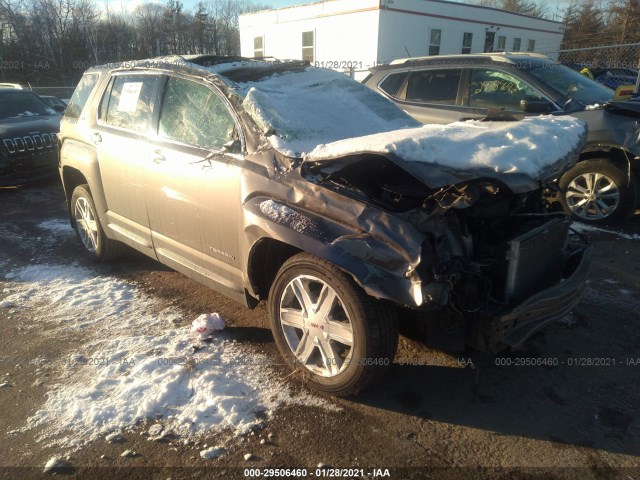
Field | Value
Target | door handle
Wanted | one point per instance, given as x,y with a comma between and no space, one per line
96,138
158,157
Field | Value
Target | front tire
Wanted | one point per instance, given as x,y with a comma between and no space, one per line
597,192
327,329
88,228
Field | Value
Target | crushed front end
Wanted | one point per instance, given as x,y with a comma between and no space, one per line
495,267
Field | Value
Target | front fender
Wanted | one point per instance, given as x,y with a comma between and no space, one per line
383,269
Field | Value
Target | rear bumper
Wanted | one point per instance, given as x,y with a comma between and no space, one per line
513,328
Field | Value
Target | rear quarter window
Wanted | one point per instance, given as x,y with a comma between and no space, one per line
81,95
393,82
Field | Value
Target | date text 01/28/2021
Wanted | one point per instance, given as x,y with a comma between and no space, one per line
325,472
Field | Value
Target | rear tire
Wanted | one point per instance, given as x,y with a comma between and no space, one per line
327,329
597,192
88,229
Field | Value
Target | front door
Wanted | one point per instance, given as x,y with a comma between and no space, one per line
488,41
194,199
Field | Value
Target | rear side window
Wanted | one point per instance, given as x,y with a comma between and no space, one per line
393,82
81,95
128,102
192,113
434,86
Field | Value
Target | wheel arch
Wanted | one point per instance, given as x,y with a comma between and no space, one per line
617,155
376,266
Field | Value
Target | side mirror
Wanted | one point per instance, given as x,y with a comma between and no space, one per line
59,108
535,105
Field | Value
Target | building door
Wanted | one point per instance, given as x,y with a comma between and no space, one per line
488,41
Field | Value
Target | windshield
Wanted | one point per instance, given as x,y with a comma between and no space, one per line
17,103
302,109
571,84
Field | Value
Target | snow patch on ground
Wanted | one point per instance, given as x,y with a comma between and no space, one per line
132,368
56,226
584,228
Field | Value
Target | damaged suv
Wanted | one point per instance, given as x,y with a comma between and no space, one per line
280,182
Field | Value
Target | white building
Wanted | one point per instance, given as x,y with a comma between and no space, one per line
362,33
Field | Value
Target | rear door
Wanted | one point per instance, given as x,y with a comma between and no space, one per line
432,95
121,137
193,194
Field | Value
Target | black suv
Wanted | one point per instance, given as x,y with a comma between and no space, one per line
28,137
246,176
602,188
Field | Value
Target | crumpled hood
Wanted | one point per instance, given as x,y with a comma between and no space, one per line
536,148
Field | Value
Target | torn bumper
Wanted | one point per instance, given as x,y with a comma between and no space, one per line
513,328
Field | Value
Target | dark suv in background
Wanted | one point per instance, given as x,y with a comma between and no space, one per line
28,137
602,188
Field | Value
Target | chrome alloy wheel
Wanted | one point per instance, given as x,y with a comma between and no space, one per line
592,196
87,224
316,326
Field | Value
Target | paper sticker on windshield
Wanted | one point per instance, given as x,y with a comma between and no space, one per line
129,97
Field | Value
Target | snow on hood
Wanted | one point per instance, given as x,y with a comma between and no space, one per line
319,114
535,146
299,110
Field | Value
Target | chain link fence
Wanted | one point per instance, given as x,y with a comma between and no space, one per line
611,65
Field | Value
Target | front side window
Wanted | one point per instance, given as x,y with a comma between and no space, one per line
193,114
80,95
531,46
502,43
392,83
516,44
496,89
308,46
434,86
467,40
258,47
128,102
434,41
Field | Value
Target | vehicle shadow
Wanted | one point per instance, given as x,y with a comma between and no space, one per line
561,404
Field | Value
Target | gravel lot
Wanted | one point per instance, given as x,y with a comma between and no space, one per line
564,406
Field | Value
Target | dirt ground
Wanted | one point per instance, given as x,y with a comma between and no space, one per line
435,416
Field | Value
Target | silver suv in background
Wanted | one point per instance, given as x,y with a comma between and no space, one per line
602,188
271,181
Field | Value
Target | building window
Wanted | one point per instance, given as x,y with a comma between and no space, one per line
434,41
531,46
467,40
516,44
258,47
308,46
502,43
